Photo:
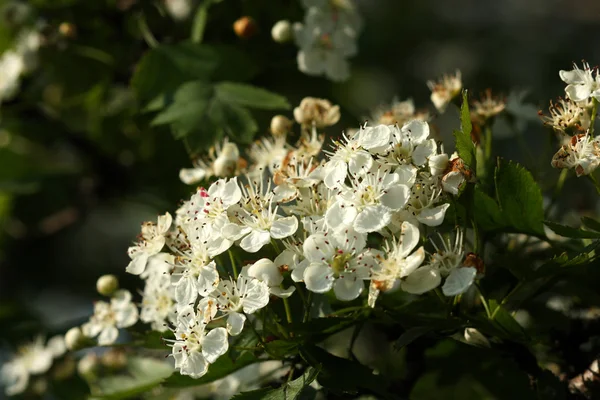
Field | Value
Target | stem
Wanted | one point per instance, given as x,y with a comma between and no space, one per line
199,23
593,117
275,246
233,266
488,143
146,33
307,307
484,302
441,296
288,311
562,178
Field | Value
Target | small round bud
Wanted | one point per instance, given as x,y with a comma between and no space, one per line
68,30
245,27
107,285
280,125
75,339
114,359
282,31
88,366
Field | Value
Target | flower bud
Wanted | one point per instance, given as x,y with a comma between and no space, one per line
75,339
107,285
68,30
280,125
178,9
88,366
282,31
318,111
475,338
245,27
226,163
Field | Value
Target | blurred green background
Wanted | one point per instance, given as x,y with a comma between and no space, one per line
81,167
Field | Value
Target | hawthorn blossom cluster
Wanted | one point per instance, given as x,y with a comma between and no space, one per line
572,119
318,208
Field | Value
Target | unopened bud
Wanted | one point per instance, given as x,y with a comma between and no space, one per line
280,125
114,359
245,27
282,31
475,338
107,285
68,30
88,366
75,339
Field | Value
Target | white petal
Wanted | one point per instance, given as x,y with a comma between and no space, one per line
375,138
231,193
407,174
190,176
257,295
422,280
255,240
433,216
215,344
284,227
311,62
318,278
360,163
186,290
108,336
348,287
336,67
340,215
231,231
265,270
195,365
179,355
372,219
452,181
417,130
438,164
235,323
396,196
138,264
421,154
298,271
578,92
335,173
412,262
318,247
282,293
574,76
164,223
459,281
208,279
41,361
56,345
126,316
409,237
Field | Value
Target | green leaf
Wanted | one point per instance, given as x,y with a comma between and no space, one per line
250,96
163,69
288,391
571,232
486,211
591,223
464,144
143,375
520,198
236,122
411,335
281,348
220,369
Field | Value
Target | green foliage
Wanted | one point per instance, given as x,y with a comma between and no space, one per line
571,232
143,374
288,391
464,144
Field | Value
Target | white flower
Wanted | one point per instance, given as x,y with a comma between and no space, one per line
193,275
443,91
223,161
567,115
236,299
31,359
582,153
158,302
348,156
292,258
108,317
424,203
581,83
268,153
194,348
399,260
398,113
294,175
368,204
268,272
152,240
338,260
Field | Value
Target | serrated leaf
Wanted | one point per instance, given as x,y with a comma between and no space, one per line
220,369
464,144
236,122
568,231
250,96
288,391
591,223
143,374
486,211
520,198
281,348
